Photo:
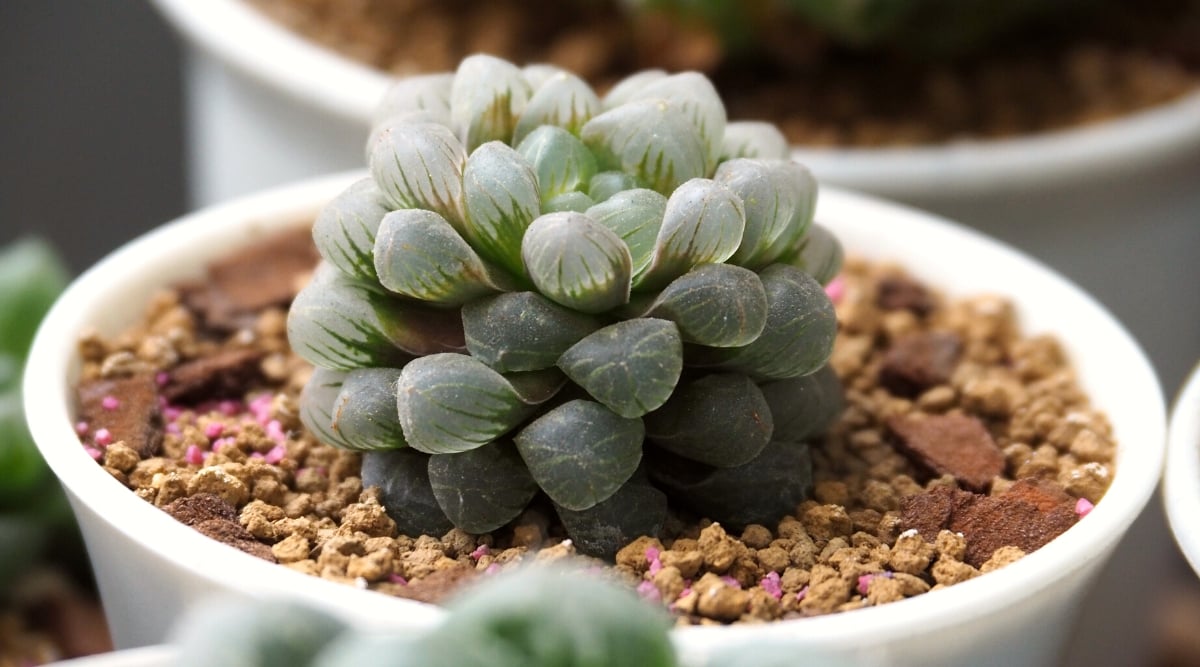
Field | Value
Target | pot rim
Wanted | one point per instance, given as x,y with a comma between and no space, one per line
244,39
1124,379
1181,479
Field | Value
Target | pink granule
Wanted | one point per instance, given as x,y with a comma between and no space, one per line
836,289
110,402
275,431
260,407
731,582
161,378
102,437
800,595
222,443
81,428
96,454
652,555
275,455
1083,507
771,585
397,579
481,551
213,430
864,581
194,455
649,591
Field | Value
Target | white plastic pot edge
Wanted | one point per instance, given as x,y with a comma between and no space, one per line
159,655
1181,479
244,39
206,233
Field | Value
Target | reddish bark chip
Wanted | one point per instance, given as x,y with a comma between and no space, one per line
194,510
953,444
897,292
231,533
223,374
1041,493
438,586
127,407
920,361
931,512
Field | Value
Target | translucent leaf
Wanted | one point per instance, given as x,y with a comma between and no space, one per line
608,183
778,196
573,201
805,406
487,96
429,93
341,323
482,489
636,509
538,74
798,338
721,420
626,89
635,216
789,241
402,476
364,412
820,254
718,305
560,160
694,94
344,231
418,254
753,139
535,387
419,165
564,100
577,262
316,405
452,403
501,195
653,140
762,491
581,452
631,366
522,331
703,223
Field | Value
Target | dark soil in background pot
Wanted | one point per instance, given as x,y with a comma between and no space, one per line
194,409
1117,58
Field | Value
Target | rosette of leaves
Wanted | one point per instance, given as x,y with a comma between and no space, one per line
613,301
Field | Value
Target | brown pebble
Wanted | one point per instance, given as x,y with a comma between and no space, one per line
953,444
131,415
920,361
232,534
222,374
201,507
897,292
438,585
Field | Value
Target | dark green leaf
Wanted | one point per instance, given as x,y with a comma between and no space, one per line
805,406
345,229
522,331
31,278
721,420
631,366
636,509
581,452
718,305
364,413
482,489
402,476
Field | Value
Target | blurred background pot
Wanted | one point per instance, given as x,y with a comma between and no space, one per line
1181,481
150,568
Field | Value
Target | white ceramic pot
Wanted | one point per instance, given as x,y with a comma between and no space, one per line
1181,479
150,567
161,655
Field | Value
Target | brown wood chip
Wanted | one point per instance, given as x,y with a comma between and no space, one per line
953,444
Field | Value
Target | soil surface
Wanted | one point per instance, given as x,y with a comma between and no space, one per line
1085,67
963,447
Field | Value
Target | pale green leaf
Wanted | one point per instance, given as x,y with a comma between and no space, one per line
429,93
486,97
653,140
482,489
788,243
721,420
703,223
778,196
500,191
608,183
522,331
635,216
453,403
581,452
419,165
564,100
316,405
577,262
538,74
573,202
344,231
695,96
364,412
753,139
820,254
560,160
627,88
718,305
630,366
418,254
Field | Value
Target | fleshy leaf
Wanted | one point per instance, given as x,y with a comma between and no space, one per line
788,242
654,140
538,74
636,509
487,96
344,231
635,216
501,195
805,406
703,223
402,476
482,489
522,331
418,254
316,405
798,338
820,254
762,491
718,305
777,195
564,100
608,183
631,366
535,387
695,95
573,202
581,452
560,161
364,413
753,139
419,165
721,420
429,93
626,89
577,262
452,403
341,323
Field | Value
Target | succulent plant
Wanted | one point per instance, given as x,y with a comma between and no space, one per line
613,301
